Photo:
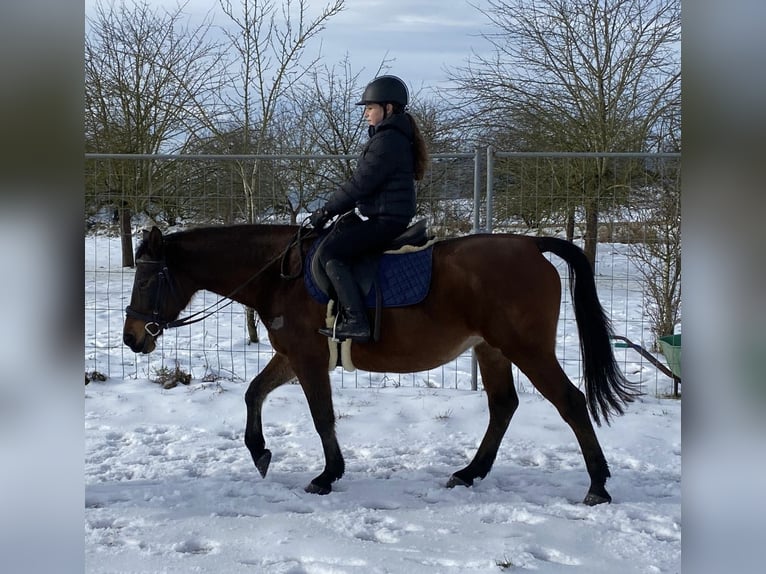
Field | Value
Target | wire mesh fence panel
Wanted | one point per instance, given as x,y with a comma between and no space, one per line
636,199
624,210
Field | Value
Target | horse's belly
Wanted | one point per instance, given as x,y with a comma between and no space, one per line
407,357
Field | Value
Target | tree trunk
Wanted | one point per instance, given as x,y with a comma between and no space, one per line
252,325
570,227
591,231
126,237
250,321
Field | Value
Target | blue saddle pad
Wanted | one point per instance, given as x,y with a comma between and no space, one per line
403,278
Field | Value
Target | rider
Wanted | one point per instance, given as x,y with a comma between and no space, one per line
382,189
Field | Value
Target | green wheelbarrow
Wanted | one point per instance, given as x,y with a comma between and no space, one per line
670,346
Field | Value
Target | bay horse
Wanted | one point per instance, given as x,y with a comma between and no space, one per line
495,293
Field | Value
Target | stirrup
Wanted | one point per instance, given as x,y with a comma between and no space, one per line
329,332
337,335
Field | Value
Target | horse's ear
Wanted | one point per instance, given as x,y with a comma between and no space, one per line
153,240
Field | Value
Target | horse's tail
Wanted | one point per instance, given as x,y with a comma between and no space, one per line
606,388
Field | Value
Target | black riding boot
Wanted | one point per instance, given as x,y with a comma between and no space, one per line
352,322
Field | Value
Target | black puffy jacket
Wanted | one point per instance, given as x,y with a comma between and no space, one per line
383,183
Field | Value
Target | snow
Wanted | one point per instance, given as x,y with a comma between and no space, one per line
170,486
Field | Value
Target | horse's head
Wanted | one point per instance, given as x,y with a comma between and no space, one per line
154,302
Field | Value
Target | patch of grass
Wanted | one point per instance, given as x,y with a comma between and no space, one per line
170,378
94,376
210,377
215,385
395,383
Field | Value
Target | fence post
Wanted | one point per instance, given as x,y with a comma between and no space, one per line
490,185
476,190
488,228
476,229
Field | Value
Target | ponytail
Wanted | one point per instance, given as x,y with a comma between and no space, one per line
419,150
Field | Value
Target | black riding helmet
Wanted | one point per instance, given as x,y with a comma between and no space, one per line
385,89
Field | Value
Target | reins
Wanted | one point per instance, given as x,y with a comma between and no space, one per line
285,254
155,325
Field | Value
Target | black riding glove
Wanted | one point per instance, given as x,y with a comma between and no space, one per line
319,218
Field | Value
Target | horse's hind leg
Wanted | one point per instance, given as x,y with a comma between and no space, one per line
275,374
549,378
497,380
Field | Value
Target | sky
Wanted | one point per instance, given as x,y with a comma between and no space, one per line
170,487
419,39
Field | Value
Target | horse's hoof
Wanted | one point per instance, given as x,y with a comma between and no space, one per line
592,499
262,463
455,480
313,488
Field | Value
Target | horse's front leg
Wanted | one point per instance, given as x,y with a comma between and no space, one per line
315,381
275,374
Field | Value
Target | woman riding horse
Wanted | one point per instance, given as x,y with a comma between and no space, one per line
382,189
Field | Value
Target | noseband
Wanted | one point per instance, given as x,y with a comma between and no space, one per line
154,323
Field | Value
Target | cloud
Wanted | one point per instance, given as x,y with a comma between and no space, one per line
418,39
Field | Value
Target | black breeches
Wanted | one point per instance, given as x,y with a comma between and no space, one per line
352,238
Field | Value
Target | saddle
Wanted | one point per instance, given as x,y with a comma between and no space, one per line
399,277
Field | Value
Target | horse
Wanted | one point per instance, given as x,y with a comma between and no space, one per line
496,293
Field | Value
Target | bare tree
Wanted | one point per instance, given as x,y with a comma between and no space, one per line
658,252
331,124
269,43
445,194
147,75
576,75
338,122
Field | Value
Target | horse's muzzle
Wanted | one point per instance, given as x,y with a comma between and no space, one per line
145,345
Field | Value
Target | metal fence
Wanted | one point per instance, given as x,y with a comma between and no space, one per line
485,190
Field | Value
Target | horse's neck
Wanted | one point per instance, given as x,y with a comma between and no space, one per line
223,259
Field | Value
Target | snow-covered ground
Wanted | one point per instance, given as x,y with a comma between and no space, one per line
170,487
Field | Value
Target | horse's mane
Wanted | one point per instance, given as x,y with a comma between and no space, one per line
214,231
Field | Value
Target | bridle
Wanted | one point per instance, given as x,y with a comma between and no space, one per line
155,324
